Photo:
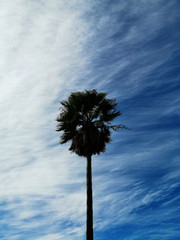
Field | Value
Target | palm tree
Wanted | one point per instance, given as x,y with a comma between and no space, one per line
85,120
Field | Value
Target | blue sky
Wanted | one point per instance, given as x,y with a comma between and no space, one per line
129,49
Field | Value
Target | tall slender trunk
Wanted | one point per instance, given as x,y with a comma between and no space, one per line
89,220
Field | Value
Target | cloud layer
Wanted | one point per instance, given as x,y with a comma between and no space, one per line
51,48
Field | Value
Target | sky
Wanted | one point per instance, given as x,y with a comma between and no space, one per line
129,49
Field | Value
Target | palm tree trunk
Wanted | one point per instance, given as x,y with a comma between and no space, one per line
89,220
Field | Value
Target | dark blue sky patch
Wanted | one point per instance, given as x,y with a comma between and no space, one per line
121,232
158,202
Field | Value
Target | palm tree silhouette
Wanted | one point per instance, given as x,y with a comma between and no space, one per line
85,119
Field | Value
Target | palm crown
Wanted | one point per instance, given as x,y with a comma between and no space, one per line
85,119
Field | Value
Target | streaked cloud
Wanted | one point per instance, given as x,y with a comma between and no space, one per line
51,48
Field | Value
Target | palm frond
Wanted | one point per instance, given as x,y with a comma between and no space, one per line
85,119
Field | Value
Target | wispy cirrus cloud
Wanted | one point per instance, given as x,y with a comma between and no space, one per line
49,49
41,59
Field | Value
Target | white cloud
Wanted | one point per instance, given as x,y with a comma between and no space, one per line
42,58
48,49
